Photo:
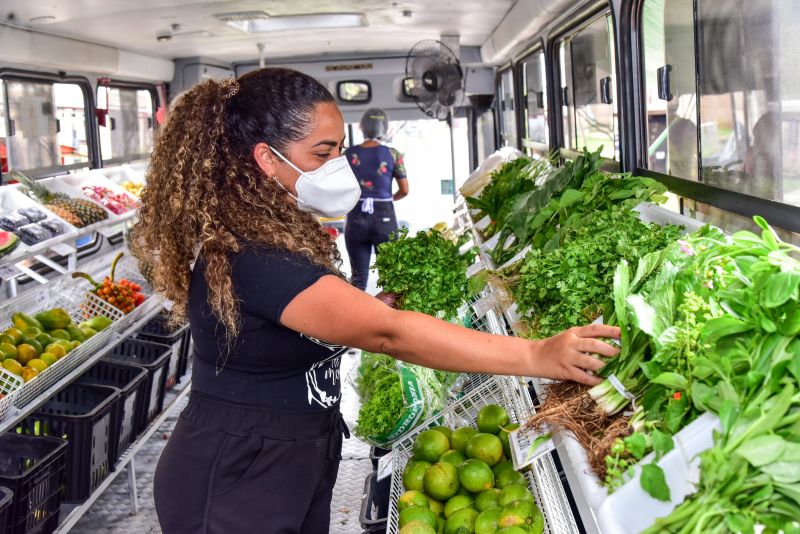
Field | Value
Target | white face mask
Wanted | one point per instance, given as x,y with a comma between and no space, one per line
330,191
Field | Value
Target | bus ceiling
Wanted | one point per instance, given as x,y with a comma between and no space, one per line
115,39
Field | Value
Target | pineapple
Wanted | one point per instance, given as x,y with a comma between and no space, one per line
76,211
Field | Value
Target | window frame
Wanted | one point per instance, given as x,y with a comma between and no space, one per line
121,84
92,134
543,149
354,102
782,215
498,104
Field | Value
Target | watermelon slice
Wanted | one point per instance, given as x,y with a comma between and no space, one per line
8,242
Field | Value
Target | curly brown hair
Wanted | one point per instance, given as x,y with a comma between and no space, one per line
205,194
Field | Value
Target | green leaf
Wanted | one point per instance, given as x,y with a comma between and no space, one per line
636,444
654,482
727,415
621,287
790,326
662,443
762,450
672,381
783,472
720,327
780,288
569,197
740,523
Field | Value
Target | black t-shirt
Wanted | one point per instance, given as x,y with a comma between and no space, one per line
268,365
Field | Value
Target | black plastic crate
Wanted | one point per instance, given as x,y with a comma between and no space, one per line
5,507
81,414
33,468
375,502
158,330
154,357
131,382
186,353
375,454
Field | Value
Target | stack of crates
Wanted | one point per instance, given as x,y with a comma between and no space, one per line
155,358
83,415
375,499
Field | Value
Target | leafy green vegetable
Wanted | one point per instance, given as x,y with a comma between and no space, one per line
569,286
654,482
426,271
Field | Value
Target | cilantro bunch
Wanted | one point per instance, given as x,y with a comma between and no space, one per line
569,286
426,271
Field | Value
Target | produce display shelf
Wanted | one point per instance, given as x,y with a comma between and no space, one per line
127,460
17,414
16,264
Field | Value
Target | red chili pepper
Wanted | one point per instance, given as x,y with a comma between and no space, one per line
676,395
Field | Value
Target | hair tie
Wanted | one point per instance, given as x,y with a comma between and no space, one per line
231,85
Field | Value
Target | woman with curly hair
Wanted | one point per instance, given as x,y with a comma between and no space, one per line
228,223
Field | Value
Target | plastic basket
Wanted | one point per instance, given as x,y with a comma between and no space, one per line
157,330
33,469
543,477
5,507
81,414
374,502
10,385
80,306
375,453
131,382
127,268
154,357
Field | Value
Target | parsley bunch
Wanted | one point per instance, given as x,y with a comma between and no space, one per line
426,271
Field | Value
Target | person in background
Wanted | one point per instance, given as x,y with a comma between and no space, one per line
373,220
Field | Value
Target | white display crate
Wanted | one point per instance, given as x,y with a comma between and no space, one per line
11,200
543,477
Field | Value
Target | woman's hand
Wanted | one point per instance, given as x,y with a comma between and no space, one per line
566,356
390,299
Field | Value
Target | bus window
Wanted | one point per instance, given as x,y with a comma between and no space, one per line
567,119
534,94
46,129
590,77
749,95
33,132
71,116
508,117
484,135
126,123
671,97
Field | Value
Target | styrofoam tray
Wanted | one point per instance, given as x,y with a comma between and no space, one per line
630,510
55,185
11,199
78,181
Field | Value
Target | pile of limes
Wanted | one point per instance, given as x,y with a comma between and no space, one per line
462,482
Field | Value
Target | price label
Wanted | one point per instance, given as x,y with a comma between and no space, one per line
8,271
527,445
385,465
62,249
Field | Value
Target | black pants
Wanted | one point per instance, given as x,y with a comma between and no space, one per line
363,232
235,469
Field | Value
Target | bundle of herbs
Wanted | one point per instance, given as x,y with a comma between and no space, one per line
516,233
508,182
427,272
749,375
568,286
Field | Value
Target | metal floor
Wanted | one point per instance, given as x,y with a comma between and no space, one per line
110,514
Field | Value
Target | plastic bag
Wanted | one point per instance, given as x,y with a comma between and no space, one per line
481,176
395,398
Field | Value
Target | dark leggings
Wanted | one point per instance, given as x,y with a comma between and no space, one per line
221,474
363,232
